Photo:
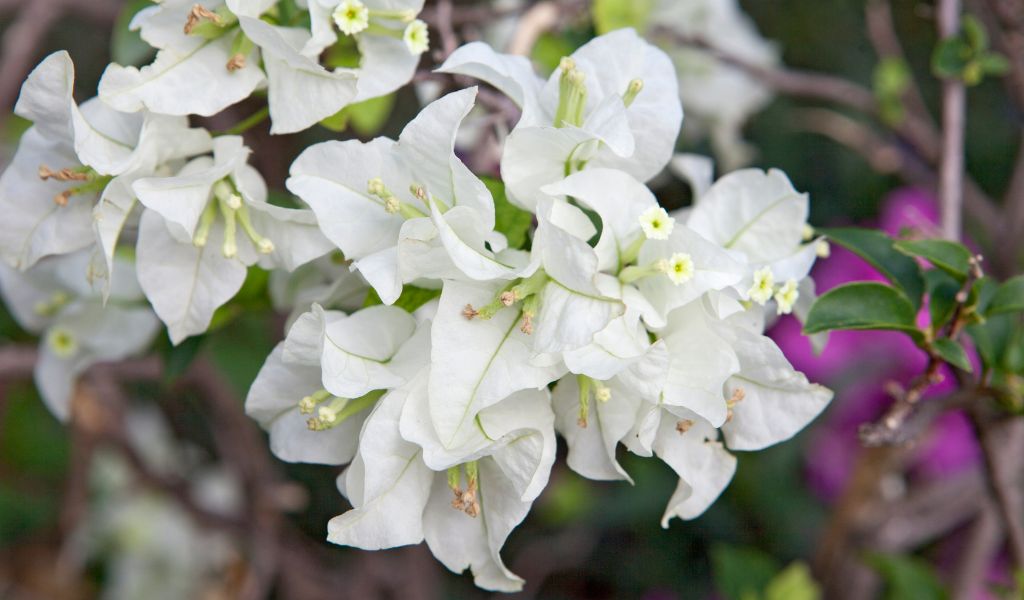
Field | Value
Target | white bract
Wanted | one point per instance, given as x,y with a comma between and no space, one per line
613,103
59,301
407,209
210,57
68,186
204,226
421,351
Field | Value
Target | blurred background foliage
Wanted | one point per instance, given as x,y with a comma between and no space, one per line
585,539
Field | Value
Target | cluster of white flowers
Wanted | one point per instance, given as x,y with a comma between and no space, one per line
616,323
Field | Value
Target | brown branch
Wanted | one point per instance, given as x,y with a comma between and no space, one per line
1002,445
954,114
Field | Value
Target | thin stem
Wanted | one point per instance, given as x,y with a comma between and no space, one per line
247,123
954,104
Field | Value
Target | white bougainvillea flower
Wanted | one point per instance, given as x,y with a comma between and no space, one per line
760,217
201,72
476,363
690,445
58,301
594,412
465,512
312,395
770,401
204,226
407,209
300,92
64,189
613,103
384,38
702,361
718,98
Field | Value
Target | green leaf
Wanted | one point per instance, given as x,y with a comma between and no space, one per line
793,583
1008,298
878,250
616,14
907,577
992,337
992,63
951,257
950,58
942,290
127,46
741,573
410,299
369,116
509,219
974,33
952,352
549,50
862,305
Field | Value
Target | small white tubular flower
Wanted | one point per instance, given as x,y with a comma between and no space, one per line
763,287
61,342
351,17
416,37
656,223
786,297
680,268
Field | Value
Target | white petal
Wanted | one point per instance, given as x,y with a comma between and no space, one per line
701,363
460,541
301,91
592,448
34,225
356,350
703,465
388,485
757,213
778,401
185,284
512,75
191,78
476,363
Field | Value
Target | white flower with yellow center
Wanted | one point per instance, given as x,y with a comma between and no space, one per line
351,17
786,297
62,342
656,223
764,284
416,37
680,268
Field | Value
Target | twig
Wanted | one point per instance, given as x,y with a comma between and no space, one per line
981,545
541,17
914,129
1001,470
954,108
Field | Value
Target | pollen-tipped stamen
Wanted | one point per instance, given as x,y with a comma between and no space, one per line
230,246
584,400
205,223
632,90
572,94
335,410
263,244
308,403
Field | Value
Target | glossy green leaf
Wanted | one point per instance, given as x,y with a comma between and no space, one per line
951,257
942,290
862,305
1008,298
793,583
952,352
992,337
509,219
878,250
907,577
